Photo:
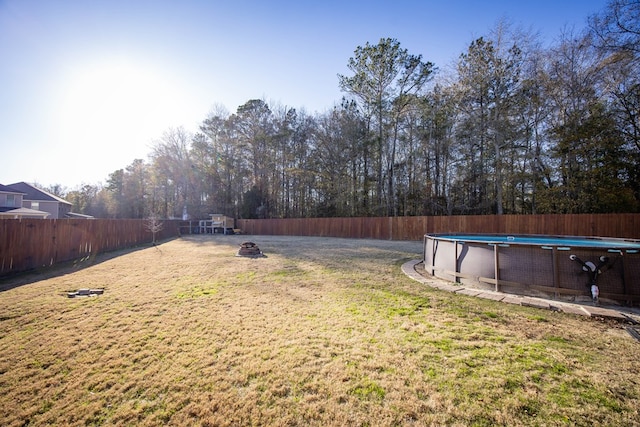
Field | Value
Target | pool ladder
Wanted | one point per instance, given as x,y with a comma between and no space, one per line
593,271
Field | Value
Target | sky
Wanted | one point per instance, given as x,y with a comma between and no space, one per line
87,87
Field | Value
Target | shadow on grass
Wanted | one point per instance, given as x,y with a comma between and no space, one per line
16,280
307,247
345,252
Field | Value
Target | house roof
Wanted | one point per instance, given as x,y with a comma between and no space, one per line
32,193
24,212
7,189
7,208
78,215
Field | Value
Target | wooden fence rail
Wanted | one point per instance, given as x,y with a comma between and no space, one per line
28,244
414,228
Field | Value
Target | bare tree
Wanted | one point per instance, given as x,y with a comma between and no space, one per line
154,225
617,28
173,174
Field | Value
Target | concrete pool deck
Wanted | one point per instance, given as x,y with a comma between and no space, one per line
611,312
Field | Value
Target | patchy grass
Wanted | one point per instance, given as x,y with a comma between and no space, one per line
319,332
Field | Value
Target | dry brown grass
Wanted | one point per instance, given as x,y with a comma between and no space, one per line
320,332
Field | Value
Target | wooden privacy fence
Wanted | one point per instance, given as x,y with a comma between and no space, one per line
34,243
26,244
414,228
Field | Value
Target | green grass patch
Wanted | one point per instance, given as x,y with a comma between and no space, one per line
321,331
368,390
199,291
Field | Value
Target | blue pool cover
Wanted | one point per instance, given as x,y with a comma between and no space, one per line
589,242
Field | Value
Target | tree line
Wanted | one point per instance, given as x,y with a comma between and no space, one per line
513,127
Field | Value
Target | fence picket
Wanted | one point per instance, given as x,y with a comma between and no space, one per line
33,243
27,244
415,227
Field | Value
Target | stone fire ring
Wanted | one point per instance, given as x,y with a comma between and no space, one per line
249,249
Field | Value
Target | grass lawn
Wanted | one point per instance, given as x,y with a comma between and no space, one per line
321,331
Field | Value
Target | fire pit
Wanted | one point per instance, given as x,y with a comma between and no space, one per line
249,249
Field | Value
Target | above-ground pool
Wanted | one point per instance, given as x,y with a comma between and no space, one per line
556,266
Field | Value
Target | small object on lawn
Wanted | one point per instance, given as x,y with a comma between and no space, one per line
249,249
85,293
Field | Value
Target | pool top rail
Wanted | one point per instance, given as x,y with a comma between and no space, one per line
541,240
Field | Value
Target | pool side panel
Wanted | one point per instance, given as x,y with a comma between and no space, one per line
476,262
524,267
445,260
632,274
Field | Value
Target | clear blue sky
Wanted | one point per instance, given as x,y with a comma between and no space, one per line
87,86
